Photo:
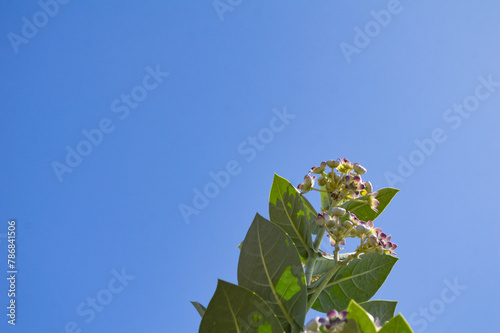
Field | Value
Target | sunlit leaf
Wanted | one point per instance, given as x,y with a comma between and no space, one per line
363,210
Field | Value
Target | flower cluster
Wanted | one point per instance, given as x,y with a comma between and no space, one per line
342,183
333,323
342,225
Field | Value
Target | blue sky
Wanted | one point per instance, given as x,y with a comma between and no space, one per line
155,96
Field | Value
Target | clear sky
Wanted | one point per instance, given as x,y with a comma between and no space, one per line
115,114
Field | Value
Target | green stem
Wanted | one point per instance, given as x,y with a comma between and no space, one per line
313,257
295,329
319,239
315,189
326,279
311,262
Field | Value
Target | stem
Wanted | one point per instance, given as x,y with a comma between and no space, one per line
315,189
319,239
311,261
326,279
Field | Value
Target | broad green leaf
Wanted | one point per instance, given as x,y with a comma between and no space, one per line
292,213
200,308
363,210
314,227
383,310
359,281
358,320
325,263
237,309
270,266
396,325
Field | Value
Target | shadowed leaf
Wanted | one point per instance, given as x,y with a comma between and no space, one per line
359,281
383,310
292,213
200,308
396,325
237,309
270,266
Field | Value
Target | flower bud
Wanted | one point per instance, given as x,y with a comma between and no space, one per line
347,224
330,224
321,181
332,164
308,180
359,169
319,169
322,219
372,240
373,202
314,324
304,188
362,228
337,211
368,187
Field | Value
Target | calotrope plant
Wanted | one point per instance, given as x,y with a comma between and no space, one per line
283,273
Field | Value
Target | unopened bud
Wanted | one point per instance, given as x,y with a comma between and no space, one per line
347,224
368,187
337,211
372,240
362,229
359,169
314,324
330,224
321,181
308,180
332,163
319,169
321,219
304,188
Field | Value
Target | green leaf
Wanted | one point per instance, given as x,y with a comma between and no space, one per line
359,281
383,310
325,263
363,210
200,308
358,320
237,309
292,213
270,266
314,227
396,325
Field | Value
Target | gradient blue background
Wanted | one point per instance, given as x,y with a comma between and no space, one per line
120,206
